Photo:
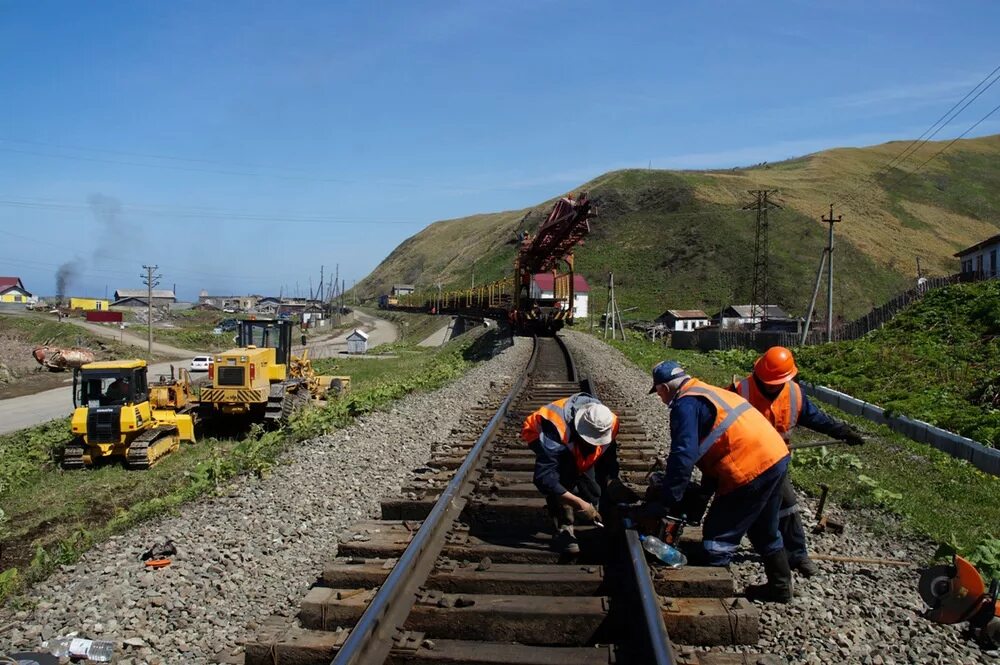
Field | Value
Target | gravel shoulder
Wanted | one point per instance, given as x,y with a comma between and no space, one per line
851,613
255,550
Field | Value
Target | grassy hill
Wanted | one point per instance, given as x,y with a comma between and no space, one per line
939,361
679,239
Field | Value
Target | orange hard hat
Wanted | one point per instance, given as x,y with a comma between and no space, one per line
776,366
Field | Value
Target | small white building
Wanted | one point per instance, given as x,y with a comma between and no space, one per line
543,286
736,316
357,342
402,289
676,320
981,258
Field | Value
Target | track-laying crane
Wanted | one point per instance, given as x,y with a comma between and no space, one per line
565,228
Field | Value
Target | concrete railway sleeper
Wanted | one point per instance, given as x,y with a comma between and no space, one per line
461,568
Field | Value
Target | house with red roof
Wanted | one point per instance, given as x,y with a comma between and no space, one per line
543,286
13,291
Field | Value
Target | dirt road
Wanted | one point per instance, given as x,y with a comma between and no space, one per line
20,412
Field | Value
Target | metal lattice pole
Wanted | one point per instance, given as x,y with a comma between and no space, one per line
761,254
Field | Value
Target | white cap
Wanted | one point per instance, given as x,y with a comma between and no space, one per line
594,423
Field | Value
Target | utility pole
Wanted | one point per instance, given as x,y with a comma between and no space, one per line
612,314
827,261
151,280
759,297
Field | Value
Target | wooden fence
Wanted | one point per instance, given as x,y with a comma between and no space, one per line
707,339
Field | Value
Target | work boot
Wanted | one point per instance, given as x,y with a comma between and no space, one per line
565,541
778,588
806,567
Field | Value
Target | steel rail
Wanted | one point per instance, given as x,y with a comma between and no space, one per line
660,648
371,639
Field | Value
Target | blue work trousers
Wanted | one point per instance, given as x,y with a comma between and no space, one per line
751,510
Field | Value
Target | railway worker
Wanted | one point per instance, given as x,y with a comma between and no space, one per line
743,460
771,390
576,459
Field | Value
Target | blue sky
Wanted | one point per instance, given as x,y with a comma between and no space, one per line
240,145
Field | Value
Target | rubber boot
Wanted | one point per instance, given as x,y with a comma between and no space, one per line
806,567
778,588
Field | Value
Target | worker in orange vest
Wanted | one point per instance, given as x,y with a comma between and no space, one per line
771,390
576,459
743,460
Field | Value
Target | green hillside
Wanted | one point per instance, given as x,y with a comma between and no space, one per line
680,239
939,361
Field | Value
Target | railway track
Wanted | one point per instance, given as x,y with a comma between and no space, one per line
460,568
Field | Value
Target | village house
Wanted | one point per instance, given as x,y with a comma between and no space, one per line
138,297
89,304
402,289
981,258
738,316
543,287
12,291
676,320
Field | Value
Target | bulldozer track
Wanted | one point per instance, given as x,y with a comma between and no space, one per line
460,568
138,454
73,455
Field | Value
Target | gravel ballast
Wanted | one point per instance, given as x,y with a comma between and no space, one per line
851,613
256,550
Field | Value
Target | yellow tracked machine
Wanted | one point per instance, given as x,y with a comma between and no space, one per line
119,414
261,381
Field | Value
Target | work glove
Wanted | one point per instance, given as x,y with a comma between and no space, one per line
590,512
854,438
848,434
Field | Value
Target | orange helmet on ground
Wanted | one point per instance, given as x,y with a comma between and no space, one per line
775,367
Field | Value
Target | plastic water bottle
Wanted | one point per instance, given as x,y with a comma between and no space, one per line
99,651
669,556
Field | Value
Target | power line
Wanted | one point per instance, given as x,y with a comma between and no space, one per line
924,138
921,140
939,152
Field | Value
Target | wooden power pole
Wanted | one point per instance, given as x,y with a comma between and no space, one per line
827,260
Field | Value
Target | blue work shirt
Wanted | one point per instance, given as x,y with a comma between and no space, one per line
691,420
555,467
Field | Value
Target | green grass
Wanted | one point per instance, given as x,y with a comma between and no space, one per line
196,337
932,494
49,516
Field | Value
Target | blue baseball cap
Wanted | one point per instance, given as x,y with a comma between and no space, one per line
665,372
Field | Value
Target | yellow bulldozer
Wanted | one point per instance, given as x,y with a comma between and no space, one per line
118,413
261,380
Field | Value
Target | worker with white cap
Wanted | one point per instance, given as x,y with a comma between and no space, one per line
575,460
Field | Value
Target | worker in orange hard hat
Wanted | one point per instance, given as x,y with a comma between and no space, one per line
771,390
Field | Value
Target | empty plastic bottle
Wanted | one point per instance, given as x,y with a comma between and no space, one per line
98,651
666,554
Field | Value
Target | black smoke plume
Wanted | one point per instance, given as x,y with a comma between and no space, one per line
65,275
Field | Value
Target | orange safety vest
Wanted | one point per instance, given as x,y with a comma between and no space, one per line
557,413
742,444
783,411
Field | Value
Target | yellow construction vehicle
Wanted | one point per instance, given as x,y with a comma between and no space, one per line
261,379
118,413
